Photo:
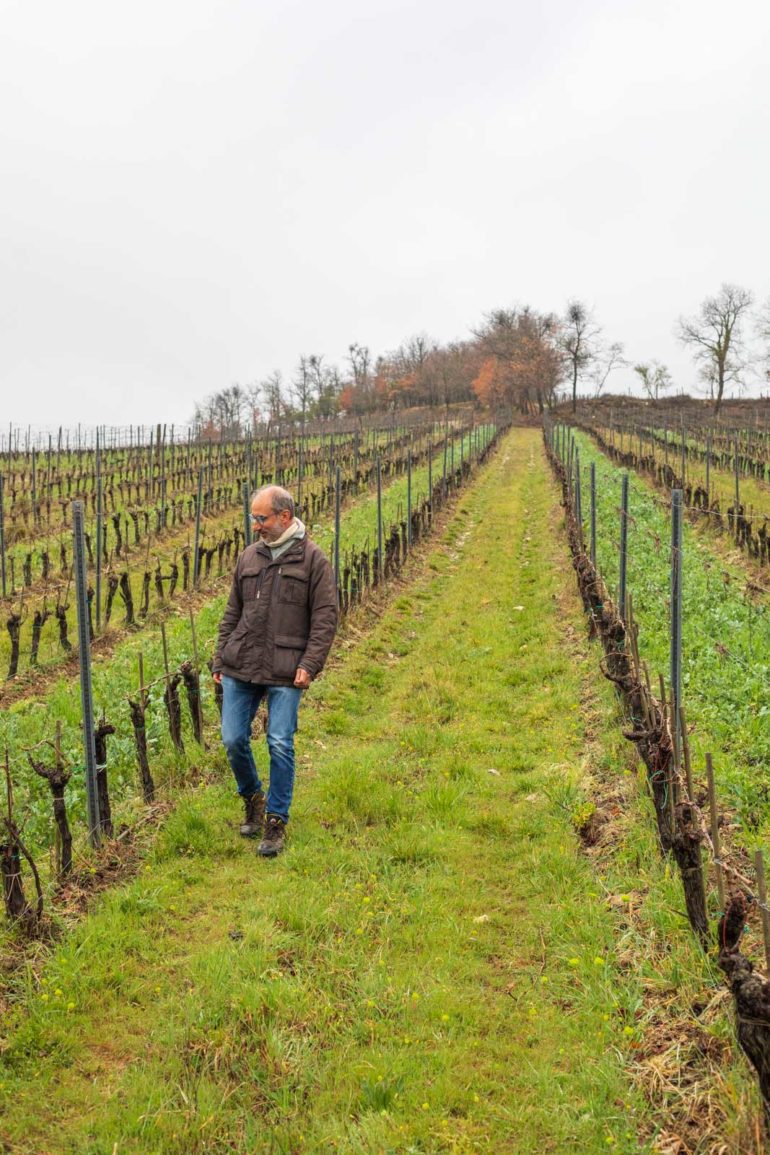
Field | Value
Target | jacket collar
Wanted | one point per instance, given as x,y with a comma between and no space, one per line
295,550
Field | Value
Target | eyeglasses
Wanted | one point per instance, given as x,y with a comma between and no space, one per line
261,518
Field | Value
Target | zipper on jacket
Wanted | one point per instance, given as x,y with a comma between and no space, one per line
261,576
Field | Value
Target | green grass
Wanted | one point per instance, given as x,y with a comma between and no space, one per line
428,968
433,966
725,639
28,721
161,549
754,493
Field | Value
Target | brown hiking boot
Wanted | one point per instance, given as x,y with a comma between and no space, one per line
274,840
254,818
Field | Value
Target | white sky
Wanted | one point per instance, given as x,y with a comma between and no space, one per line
195,193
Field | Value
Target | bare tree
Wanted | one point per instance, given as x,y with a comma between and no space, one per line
224,413
763,333
360,364
654,377
607,360
272,391
253,399
325,380
453,367
579,343
302,388
715,334
408,371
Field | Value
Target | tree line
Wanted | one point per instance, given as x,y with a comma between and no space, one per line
517,358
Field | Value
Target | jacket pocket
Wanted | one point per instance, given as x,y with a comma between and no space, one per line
293,587
250,586
234,644
288,652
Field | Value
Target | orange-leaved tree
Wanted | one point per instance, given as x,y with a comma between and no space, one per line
522,365
492,384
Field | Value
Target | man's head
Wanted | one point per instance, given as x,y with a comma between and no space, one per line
272,512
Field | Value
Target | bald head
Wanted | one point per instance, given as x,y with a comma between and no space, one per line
272,512
280,499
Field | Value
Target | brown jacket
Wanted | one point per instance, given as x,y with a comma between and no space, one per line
280,615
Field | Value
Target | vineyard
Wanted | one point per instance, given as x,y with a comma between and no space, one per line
165,519
368,498
525,899
681,608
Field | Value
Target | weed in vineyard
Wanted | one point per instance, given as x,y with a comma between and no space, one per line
115,679
726,637
149,549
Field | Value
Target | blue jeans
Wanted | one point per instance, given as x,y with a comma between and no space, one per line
239,705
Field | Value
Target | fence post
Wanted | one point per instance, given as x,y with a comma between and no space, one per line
623,546
759,867
35,517
196,557
708,469
676,620
409,499
337,531
299,474
684,456
86,693
162,480
2,539
593,514
737,486
380,560
430,478
578,495
99,531
246,515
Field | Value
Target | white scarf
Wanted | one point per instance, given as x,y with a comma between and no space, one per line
295,528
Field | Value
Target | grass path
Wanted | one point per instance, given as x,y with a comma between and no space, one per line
430,966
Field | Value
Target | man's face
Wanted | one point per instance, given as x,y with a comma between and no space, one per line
274,524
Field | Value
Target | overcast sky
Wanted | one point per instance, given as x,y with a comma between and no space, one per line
195,193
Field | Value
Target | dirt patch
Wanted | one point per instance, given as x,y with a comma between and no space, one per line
115,862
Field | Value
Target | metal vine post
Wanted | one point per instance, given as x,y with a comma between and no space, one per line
86,689
676,621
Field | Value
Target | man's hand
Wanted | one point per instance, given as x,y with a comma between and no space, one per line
302,679
217,678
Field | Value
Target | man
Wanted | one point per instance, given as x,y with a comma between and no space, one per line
274,638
